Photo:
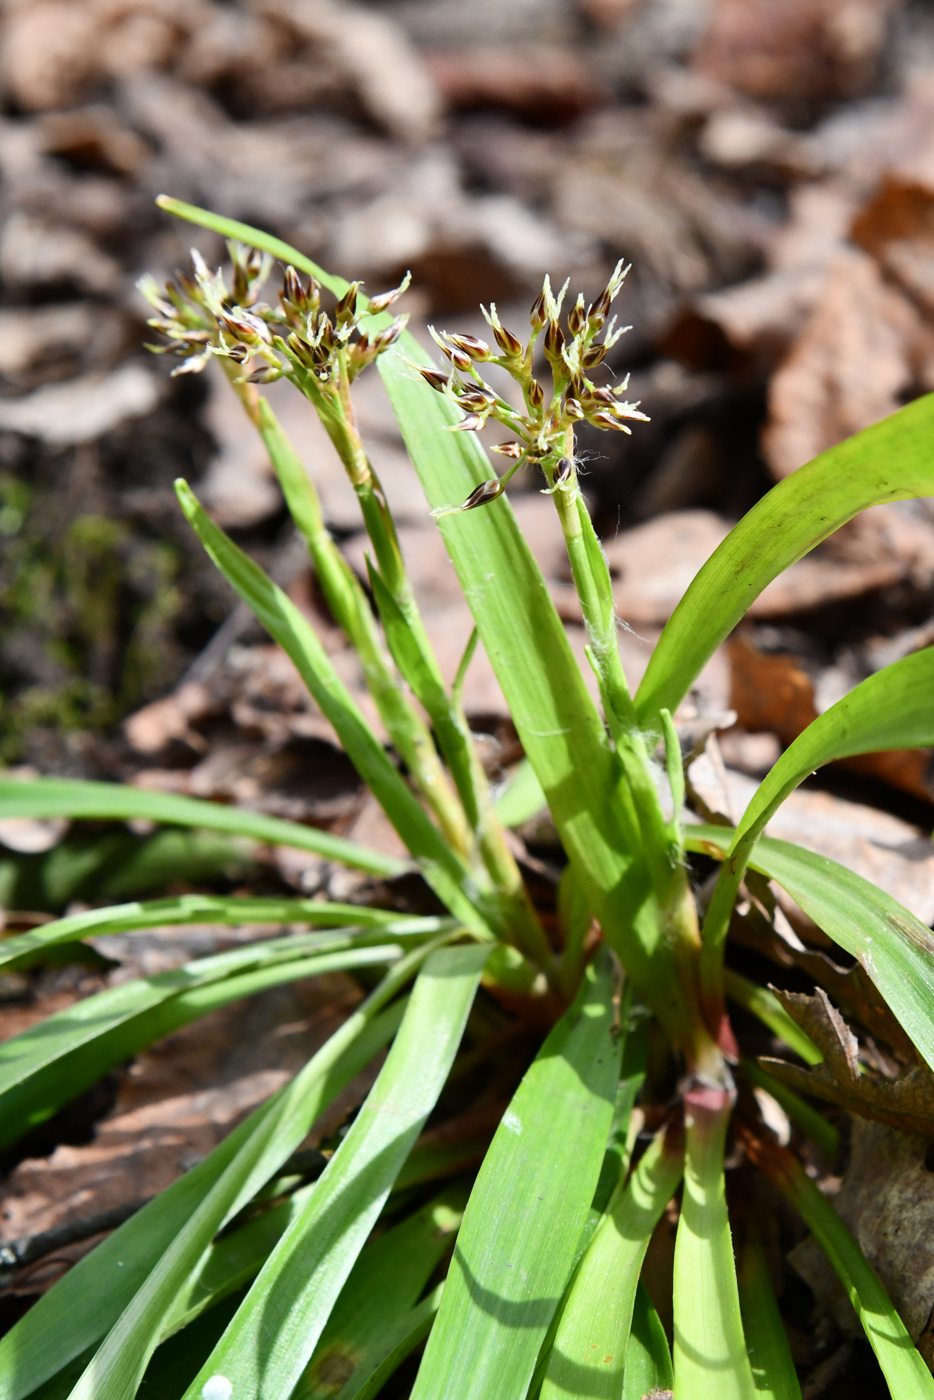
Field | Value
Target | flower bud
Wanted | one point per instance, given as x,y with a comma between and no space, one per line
389,336
554,340
539,314
508,449
603,395
475,400
572,409
384,300
488,491
602,419
509,344
292,289
473,346
577,316
435,378
594,356
346,310
469,424
536,393
562,471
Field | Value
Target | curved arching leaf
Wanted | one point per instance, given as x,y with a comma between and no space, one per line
893,709
894,946
92,801
891,461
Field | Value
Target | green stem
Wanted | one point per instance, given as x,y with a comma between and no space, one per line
514,913
351,611
594,587
710,1350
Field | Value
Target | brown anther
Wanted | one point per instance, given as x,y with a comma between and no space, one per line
487,491
435,378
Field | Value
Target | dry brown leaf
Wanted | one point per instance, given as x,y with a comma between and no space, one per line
886,1197
787,49
883,849
542,83
906,1103
851,365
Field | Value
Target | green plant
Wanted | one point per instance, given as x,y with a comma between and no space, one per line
246,1278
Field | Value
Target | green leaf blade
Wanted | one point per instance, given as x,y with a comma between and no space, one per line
527,1209
891,461
69,797
895,948
273,1334
590,1350
74,1315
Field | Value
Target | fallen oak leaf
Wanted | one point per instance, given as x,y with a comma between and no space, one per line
906,1102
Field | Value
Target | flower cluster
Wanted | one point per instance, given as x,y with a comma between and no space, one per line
543,433
201,317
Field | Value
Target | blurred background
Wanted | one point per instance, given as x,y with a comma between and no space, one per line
767,166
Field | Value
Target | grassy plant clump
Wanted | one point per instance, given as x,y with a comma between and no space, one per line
257,1279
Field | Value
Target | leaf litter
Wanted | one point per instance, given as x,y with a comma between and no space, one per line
769,170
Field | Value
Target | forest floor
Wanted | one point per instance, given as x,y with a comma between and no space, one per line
767,166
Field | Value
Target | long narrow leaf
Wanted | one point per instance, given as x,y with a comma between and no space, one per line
382,1359
895,948
82,1306
282,619
648,1357
69,797
47,1065
589,1353
274,1332
527,1209
891,461
773,1369
892,709
384,1285
188,909
907,1376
